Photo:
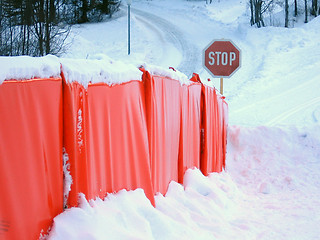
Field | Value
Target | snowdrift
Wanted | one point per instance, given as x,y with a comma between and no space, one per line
271,183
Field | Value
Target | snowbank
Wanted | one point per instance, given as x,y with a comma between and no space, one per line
181,214
271,184
274,159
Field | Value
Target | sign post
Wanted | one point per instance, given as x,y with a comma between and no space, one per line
221,58
129,4
221,86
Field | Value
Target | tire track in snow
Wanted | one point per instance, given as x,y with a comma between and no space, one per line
157,33
173,35
292,111
289,92
301,103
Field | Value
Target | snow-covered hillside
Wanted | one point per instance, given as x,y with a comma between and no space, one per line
271,186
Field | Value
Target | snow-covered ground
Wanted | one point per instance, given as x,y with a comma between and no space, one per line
271,186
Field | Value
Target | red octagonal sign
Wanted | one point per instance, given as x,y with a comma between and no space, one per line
221,58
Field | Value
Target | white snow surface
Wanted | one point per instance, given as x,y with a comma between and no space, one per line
99,69
25,67
270,190
170,73
271,186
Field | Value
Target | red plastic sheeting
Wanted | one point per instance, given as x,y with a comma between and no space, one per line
107,139
189,152
212,149
75,121
224,129
118,138
163,105
31,175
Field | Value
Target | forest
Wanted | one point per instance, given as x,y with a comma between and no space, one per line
40,27
258,8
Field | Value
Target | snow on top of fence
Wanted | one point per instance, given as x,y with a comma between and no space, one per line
25,67
101,69
171,73
98,69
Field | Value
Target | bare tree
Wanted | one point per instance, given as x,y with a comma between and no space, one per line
252,13
31,28
258,7
295,8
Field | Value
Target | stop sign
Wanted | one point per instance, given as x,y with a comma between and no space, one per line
221,58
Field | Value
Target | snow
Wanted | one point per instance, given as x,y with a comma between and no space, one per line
280,177
25,67
67,176
99,69
271,186
170,73
268,190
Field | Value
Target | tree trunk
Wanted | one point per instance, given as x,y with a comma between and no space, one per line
52,11
258,14
84,15
295,8
306,11
315,7
47,25
28,22
286,24
0,23
252,14
40,27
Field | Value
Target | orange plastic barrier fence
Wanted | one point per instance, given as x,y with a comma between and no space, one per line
107,139
212,146
189,152
31,175
127,136
163,105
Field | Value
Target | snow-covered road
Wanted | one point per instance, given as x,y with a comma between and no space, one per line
292,103
175,50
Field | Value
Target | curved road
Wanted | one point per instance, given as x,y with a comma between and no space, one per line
167,32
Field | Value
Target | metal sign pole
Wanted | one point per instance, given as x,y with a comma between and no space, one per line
129,3
221,86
